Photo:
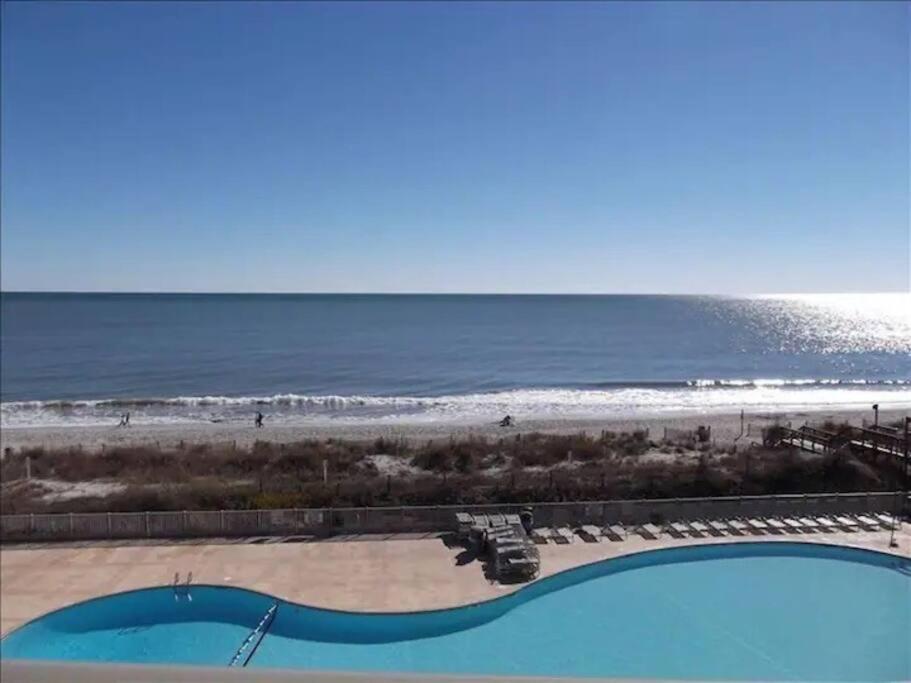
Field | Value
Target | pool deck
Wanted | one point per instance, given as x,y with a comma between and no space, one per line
397,573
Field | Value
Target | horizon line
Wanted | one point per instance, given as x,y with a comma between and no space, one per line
430,293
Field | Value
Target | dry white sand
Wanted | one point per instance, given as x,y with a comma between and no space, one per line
725,429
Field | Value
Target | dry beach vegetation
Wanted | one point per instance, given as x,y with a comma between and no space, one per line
523,467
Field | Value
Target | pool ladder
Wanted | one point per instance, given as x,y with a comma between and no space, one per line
254,639
182,589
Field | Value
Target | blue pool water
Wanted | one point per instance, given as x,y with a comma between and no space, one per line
770,611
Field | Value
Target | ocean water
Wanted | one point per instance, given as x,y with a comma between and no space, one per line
753,611
70,359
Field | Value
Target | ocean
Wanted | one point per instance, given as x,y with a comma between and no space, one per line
83,359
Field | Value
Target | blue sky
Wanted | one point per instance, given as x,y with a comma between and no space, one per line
444,147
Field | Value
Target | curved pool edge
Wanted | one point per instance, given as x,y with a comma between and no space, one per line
514,596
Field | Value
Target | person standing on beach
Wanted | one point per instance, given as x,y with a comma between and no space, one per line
124,420
259,419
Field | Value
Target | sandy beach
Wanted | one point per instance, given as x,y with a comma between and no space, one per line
726,428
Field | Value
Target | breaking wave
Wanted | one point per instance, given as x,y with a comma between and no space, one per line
609,399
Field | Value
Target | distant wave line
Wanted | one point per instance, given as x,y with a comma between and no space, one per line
338,402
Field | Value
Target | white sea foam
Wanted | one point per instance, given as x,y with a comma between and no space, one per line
701,396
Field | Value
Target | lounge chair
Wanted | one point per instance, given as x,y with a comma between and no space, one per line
757,525
501,530
826,523
718,527
513,520
866,523
527,567
497,520
678,529
501,535
481,520
589,533
886,520
464,523
563,533
810,525
614,532
648,531
699,528
619,531
521,561
541,535
738,527
846,523
793,525
776,525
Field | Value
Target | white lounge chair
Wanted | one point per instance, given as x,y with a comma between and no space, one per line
886,520
757,525
541,535
826,523
563,533
648,531
776,525
496,519
678,529
846,523
793,525
699,528
614,532
738,527
718,527
481,520
866,523
810,525
589,531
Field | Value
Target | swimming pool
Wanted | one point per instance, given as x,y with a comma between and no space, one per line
747,611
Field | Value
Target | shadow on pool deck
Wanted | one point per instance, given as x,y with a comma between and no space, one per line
241,540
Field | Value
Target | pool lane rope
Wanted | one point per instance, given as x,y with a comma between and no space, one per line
254,639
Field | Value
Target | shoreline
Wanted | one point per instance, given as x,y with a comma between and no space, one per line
726,429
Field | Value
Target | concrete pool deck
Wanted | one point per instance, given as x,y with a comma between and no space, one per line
398,573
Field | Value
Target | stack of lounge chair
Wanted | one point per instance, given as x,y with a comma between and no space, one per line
503,539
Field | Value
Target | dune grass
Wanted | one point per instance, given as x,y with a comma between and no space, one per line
519,468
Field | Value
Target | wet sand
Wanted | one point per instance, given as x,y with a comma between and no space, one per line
726,428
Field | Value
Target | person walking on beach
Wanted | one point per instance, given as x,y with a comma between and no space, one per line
259,419
124,420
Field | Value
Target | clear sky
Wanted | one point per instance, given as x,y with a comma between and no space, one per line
445,147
